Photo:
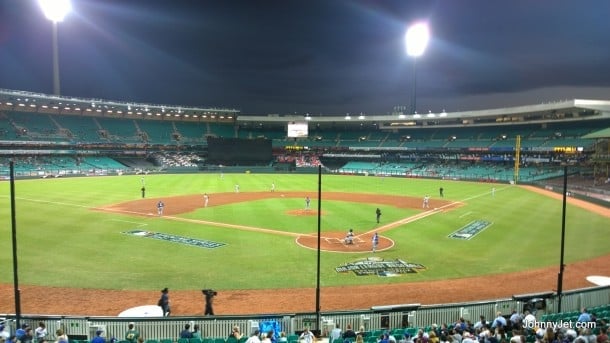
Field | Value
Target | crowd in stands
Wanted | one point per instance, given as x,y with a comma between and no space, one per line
515,327
177,160
300,159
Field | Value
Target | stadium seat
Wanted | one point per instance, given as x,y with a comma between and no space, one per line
195,340
183,340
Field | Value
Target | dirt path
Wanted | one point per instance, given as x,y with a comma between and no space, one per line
76,301
577,202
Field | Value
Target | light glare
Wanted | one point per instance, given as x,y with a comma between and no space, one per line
55,10
417,38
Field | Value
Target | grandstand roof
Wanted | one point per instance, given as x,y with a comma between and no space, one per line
576,109
38,102
605,133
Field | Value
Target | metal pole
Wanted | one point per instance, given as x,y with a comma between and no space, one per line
319,239
563,235
14,234
56,89
414,100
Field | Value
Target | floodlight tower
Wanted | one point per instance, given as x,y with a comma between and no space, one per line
416,40
55,11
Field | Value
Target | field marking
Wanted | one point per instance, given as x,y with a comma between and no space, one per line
332,240
465,214
232,226
140,224
50,202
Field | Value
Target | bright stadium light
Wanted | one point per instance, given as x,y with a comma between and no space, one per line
416,40
55,11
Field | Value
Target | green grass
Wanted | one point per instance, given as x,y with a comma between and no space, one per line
62,242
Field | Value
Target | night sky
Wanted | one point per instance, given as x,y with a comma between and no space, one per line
312,56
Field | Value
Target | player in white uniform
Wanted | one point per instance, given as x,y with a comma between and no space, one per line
375,241
426,203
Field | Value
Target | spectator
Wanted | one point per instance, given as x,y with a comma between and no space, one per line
307,336
335,333
98,337
499,321
236,333
41,332
196,333
186,333
132,334
254,337
349,333
61,336
584,316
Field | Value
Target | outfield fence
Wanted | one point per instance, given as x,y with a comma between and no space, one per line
376,318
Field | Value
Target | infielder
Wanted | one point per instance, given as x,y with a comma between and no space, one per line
160,207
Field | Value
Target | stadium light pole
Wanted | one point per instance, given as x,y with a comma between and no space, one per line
416,40
55,11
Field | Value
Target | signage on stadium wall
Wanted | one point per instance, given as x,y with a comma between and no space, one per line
567,149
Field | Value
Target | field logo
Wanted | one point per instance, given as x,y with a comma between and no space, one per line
470,230
176,239
380,267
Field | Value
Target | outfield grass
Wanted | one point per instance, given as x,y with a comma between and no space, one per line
62,242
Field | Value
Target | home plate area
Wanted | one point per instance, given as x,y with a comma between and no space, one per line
335,241
355,240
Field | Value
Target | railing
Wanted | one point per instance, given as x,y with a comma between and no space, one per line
386,317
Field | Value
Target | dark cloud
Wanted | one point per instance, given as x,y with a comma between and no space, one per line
312,56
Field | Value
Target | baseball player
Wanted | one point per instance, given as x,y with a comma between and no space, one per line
160,207
206,199
426,203
349,238
375,241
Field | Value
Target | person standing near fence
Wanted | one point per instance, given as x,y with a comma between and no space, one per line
164,302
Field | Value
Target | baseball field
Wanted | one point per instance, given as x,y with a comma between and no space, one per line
99,233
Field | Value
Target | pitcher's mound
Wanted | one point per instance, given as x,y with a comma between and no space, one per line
303,212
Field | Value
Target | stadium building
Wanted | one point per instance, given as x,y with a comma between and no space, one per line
48,136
